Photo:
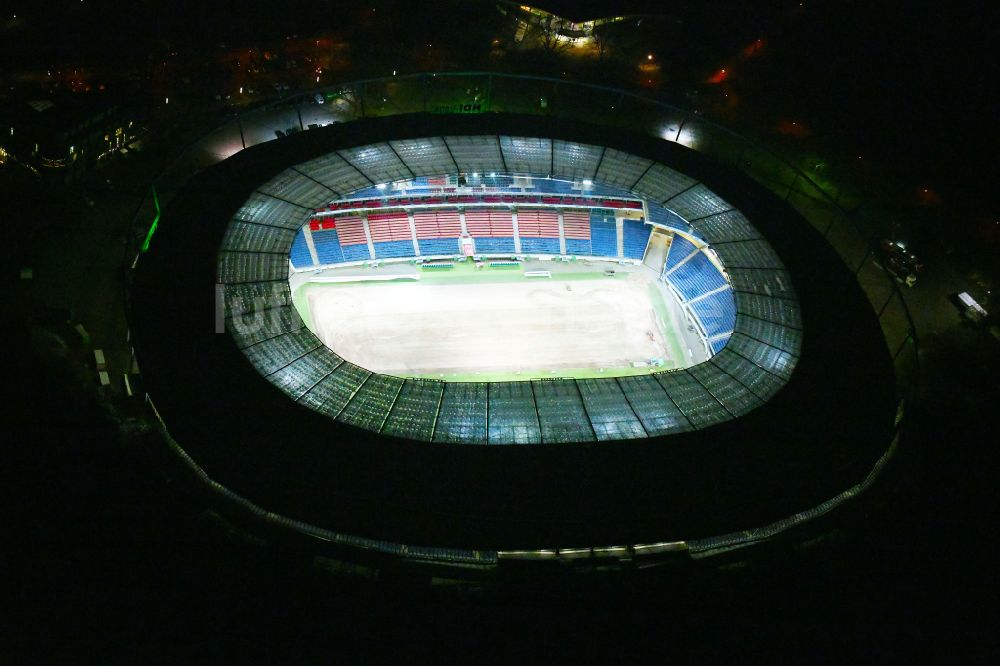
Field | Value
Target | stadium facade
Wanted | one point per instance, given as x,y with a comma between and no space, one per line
796,406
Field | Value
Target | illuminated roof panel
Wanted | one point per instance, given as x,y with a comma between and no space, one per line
253,269
292,186
265,209
621,169
661,182
379,163
697,202
425,156
575,161
527,155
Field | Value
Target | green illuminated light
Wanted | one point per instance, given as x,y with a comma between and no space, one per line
156,221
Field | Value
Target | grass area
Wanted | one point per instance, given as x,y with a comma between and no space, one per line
669,326
301,303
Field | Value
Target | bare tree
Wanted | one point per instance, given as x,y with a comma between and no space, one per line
548,39
602,41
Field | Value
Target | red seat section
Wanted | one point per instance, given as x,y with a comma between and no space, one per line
537,223
389,227
576,224
351,230
489,223
437,224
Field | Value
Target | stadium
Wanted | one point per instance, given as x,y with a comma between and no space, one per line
464,339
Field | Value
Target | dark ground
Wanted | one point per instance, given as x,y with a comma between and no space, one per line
108,562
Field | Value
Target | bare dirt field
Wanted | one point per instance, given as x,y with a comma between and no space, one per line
529,326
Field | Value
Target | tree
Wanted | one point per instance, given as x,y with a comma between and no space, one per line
603,41
548,39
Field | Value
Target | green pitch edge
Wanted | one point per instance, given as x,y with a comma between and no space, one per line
670,334
301,304
568,373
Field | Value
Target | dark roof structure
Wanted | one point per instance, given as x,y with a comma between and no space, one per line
818,435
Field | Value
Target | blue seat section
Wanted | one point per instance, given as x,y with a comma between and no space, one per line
328,249
680,248
393,249
696,277
357,252
668,218
603,235
494,245
578,246
419,183
717,345
491,181
547,186
299,253
432,246
717,313
540,245
370,193
635,235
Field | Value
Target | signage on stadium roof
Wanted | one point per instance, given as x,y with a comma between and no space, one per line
470,107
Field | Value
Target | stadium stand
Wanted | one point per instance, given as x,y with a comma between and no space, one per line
603,234
391,234
660,215
299,253
538,230
576,230
352,238
491,230
717,313
680,249
438,246
635,235
696,277
494,245
328,249
393,249
718,343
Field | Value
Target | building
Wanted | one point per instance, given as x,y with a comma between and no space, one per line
64,138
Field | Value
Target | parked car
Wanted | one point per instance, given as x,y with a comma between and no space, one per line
895,258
